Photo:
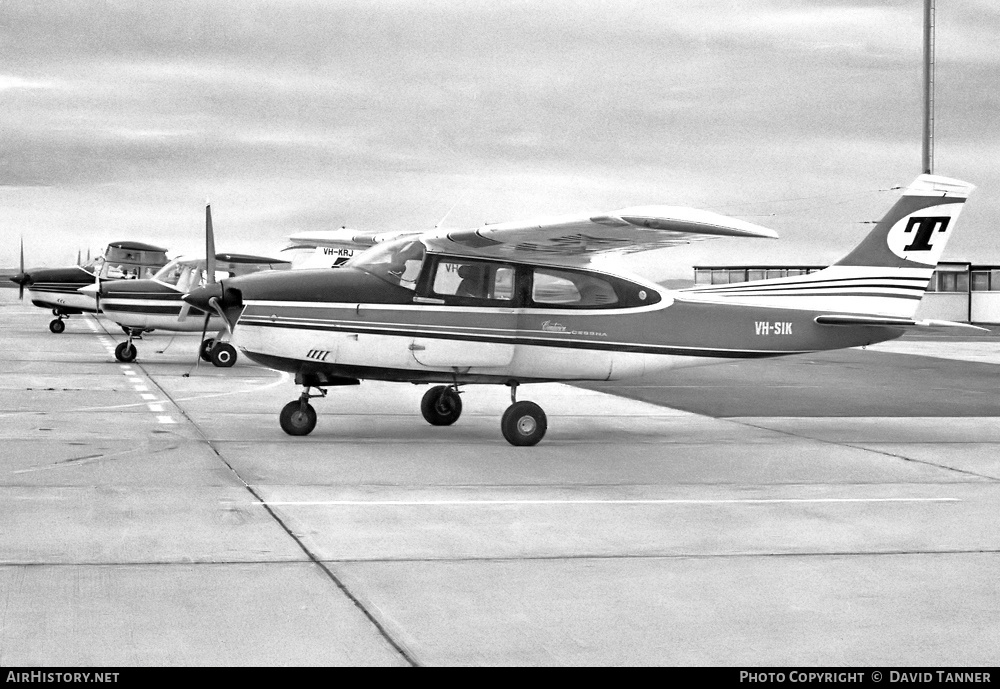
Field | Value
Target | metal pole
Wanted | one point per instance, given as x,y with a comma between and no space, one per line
928,147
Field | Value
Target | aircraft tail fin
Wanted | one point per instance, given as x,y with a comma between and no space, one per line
914,232
885,275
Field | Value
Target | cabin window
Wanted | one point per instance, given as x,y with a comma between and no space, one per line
473,280
563,288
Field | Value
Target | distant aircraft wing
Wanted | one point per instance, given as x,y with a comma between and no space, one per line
577,239
343,238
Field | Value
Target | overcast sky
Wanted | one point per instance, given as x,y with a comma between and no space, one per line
120,118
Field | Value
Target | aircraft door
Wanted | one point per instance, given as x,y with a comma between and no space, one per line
468,317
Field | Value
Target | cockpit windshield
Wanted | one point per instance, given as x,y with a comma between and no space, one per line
183,274
397,262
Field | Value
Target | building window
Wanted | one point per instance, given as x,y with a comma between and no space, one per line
952,282
981,281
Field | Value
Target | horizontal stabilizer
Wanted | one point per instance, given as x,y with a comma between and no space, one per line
884,321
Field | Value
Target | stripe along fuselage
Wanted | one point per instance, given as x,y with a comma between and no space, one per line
529,323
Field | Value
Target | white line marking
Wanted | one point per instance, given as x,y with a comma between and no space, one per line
436,503
129,373
140,388
155,407
148,396
165,419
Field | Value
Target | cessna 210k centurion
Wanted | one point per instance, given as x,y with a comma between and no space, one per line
517,303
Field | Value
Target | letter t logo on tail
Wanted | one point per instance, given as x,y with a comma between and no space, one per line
925,230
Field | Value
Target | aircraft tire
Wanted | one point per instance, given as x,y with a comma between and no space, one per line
206,349
125,352
523,424
297,418
57,326
441,406
223,355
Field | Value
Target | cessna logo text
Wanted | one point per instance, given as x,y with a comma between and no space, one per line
553,327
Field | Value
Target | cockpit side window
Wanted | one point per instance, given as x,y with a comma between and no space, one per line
560,288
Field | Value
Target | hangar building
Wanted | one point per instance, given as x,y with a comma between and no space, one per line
959,291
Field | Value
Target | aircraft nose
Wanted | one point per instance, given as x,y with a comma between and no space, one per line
92,290
22,279
200,297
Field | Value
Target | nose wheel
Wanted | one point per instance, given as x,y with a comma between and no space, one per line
57,325
224,355
126,352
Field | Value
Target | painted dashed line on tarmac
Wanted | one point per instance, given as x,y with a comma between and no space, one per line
139,386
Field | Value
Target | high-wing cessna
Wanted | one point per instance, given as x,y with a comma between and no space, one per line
516,303
140,306
333,248
58,288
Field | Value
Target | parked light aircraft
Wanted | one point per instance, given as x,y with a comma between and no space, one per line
517,303
58,289
140,306
333,248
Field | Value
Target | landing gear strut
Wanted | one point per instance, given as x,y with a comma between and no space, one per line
523,423
441,405
298,417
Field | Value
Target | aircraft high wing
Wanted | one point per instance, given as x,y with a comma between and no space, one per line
575,240
140,306
332,248
518,303
58,288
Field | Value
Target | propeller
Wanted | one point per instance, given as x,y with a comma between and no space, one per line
213,302
209,263
21,279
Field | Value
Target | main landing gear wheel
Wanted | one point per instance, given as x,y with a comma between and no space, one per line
125,352
298,418
206,349
524,423
441,405
224,355
57,326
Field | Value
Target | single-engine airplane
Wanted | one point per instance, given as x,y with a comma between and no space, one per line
58,289
516,303
140,306
333,248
